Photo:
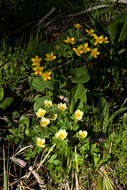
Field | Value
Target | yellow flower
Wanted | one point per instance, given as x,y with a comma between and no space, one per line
78,114
46,75
36,61
78,51
38,70
41,112
62,107
78,26
40,142
50,57
70,40
85,48
53,117
94,53
61,134
83,134
48,103
44,122
57,47
105,40
90,32
98,40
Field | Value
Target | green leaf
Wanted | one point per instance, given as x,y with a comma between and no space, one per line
1,93
99,183
79,75
45,47
0,77
39,103
6,103
105,112
38,84
123,34
107,183
96,158
79,93
117,29
24,120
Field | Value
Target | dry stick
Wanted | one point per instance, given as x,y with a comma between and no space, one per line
88,10
23,164
103,171
117,1
20,151
50,150
53,9
42,19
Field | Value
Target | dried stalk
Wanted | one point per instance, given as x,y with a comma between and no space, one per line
23,164
50,150
88,10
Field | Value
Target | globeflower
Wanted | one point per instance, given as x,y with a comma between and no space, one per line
94,53
53,117
78,114
40,142
44,122
36,61
46,75
38,70
85,48
83,134
62,107
70,40
79,50
78,26
125,115
61,134
48,103
50,56
41,112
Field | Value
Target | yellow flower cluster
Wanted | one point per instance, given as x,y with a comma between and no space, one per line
98,39
38,69
81,49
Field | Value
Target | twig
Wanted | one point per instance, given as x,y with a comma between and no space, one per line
60,66
88,10
50,150
23,164
103,171
117,1
21,150
53,9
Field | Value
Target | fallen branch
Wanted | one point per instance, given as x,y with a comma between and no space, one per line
24,164
53,9
88,10
117,1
